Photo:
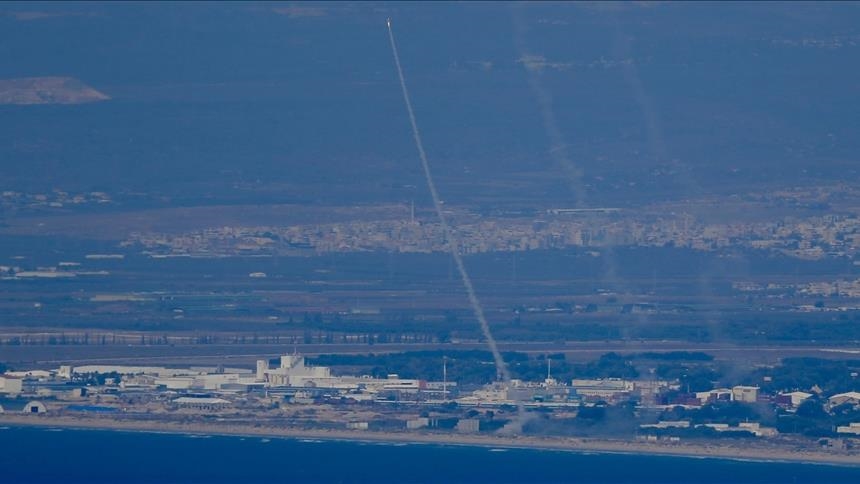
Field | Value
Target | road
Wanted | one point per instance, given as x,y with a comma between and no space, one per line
51,356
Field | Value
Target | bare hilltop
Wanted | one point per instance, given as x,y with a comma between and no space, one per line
48,90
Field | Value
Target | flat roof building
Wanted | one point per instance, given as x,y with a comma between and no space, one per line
201,403
12,386
852,398
745,394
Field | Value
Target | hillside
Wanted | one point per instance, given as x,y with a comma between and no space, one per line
48,90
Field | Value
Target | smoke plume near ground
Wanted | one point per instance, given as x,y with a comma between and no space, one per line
573,172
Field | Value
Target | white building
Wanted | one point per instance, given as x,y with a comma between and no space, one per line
853,428
35,407
751,427
715,395
30,374
214,382
12,386
201,403
65,372
667,424
607,388
134,370
852,398
292,372
796,397
492,394
468,426
757,429
417,423
262,368
745,394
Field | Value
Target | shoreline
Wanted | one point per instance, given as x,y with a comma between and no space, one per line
567,444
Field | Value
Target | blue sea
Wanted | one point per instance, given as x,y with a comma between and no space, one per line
64,455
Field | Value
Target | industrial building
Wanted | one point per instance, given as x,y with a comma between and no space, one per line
293,373
69,371
468,426
10,386
417,423
358,425
216,382
754,428
792,399
201,403
745,394
667,424
853,428
35,407
608,389
851,398
548,393
715,395
23,406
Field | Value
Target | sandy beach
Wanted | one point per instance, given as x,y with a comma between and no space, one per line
735,450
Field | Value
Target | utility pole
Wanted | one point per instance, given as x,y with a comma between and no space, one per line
445,378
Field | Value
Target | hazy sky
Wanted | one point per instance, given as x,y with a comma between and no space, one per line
666,96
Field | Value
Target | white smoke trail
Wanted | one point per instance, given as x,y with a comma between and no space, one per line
534,66
659,151
645,103
450,236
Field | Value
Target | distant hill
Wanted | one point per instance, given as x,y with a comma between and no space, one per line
48,90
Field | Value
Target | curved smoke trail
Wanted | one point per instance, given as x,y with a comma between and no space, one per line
450,236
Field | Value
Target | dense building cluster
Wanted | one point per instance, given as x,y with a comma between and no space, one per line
141,392
806,238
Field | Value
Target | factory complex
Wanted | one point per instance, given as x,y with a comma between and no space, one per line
286,391
289,379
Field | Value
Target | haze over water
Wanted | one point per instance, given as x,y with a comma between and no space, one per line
205,97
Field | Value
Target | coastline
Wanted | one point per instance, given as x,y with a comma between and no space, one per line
568,444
